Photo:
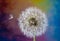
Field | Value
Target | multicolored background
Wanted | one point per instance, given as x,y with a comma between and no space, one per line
51,9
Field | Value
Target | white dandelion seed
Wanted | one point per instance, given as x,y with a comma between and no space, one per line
33,22
11,16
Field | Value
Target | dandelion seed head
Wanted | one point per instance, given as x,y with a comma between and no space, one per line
32,22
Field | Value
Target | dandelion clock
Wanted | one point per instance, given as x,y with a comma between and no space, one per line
32,22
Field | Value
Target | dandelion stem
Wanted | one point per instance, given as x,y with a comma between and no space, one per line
34,38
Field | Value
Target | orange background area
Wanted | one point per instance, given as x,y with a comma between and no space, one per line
16,6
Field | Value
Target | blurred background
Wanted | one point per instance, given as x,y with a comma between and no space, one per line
9,29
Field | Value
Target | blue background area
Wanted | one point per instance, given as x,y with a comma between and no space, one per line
53,32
